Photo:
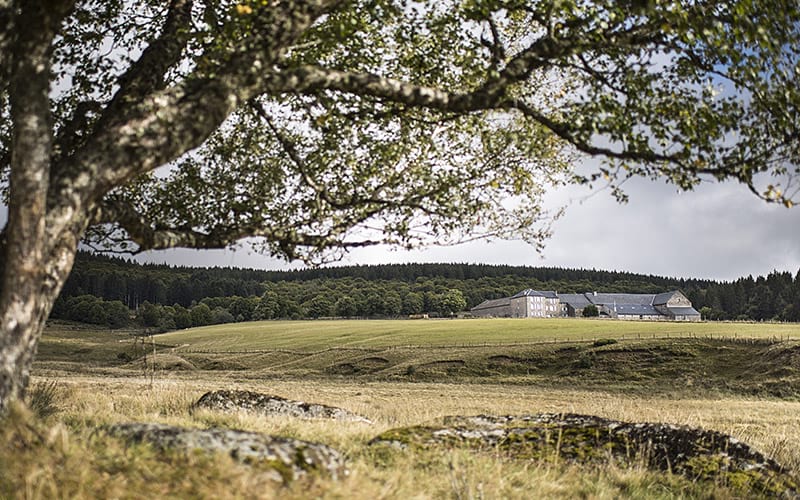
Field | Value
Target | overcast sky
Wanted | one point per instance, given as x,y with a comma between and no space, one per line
718,231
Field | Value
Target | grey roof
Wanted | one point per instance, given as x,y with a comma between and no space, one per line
575,300
683,311
528,292
489,304
663,298
637,309
609,299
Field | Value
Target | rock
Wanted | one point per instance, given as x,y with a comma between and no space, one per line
694,453
288,458
263,404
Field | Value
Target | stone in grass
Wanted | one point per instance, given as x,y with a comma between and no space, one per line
287,459
694,453
263,404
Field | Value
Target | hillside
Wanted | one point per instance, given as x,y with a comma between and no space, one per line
400,289
641,357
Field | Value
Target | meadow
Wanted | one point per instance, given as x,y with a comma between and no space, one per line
740,379
317,335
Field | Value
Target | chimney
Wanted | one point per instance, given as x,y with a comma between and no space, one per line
595,294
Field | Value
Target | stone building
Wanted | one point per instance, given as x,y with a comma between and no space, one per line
669,306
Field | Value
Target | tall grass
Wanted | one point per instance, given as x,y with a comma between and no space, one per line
56,451
69,458
42,398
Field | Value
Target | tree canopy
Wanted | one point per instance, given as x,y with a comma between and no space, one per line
319,125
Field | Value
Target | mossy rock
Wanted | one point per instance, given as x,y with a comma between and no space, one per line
285,459
265,404
695,453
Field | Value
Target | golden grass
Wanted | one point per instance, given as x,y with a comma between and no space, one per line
317,335
64,456
74,462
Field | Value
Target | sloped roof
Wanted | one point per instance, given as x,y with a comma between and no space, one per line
609,299
683,311
529,292
575,300
489,304
637,309
663,298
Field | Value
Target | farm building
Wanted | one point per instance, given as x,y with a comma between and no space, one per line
534,304
497,308
668,306
526,304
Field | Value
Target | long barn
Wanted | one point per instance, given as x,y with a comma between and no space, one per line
669,306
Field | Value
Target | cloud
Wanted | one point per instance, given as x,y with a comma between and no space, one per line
718,231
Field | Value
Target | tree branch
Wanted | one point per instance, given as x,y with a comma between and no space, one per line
7,34
147,74
154,130
148,236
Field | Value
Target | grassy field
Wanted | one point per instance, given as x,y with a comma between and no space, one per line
318,335
397,374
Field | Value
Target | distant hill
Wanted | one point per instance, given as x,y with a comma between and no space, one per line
776,296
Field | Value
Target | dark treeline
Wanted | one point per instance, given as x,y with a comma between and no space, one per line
175,297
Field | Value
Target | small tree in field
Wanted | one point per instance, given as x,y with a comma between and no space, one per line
590,311
450,302
316,126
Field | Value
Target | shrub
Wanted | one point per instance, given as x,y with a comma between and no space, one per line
602,342
591,311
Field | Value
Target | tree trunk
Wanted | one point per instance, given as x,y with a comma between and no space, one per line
36,264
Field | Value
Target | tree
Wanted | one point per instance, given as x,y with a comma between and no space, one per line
590,311
450,302
319,306
268,307
220,316
413,303
182,317
201,315
392,303
346,306
117,314
431,120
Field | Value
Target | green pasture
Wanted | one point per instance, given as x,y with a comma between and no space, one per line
313,336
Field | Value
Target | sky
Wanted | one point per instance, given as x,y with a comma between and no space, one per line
718,231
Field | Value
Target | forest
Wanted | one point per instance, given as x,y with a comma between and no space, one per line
117,292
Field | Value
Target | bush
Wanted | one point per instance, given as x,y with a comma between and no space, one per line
590,311
602,342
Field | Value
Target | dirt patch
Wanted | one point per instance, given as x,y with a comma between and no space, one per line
361,366
502,359
374,361
219,364
167,362
343,369
446,364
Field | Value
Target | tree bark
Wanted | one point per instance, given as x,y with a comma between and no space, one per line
31,278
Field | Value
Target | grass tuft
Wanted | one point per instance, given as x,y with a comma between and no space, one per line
42,399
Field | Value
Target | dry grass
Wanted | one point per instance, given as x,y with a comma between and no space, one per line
63,456
71,460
